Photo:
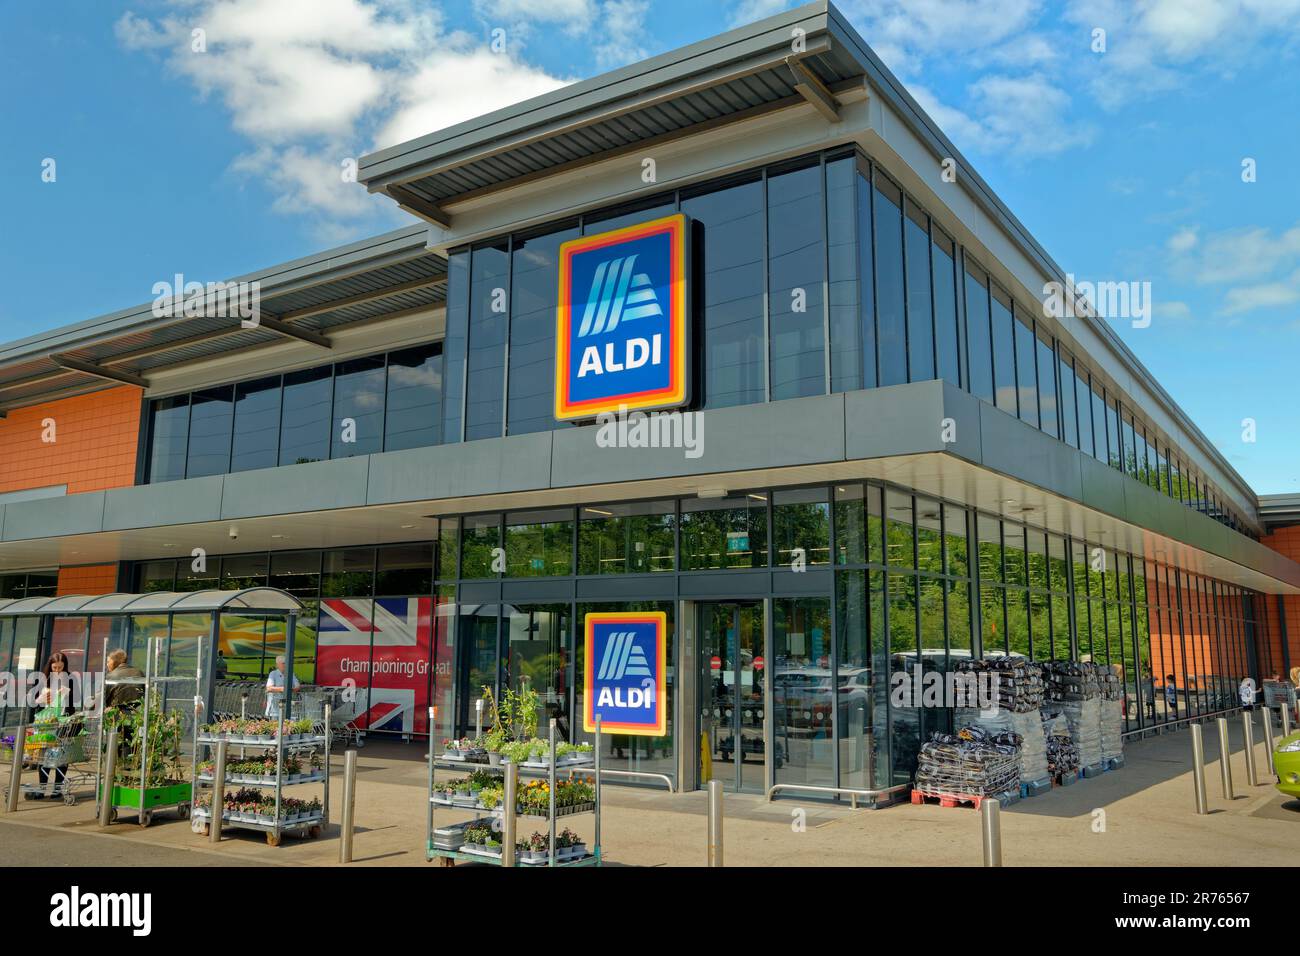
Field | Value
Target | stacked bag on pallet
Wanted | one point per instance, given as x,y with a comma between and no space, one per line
1028,726
971,762
1073,690
1019,681
1112,713
1062,754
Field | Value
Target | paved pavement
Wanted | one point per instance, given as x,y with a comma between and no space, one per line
1139,816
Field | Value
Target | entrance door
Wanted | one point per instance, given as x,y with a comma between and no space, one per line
732,708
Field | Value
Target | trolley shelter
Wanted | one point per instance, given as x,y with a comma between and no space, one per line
186,627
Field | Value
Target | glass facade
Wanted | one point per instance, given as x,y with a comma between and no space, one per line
836,590
378,403
813,276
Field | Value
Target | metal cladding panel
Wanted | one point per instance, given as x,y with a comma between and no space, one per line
765,87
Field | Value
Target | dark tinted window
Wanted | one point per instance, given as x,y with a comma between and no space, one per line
842,240
485,368
796,273
891,327
453,374
257,424
1026,371
946,341
211,411
358,427
1069,416
405,569
1004,352
297,572
305,433
1047,387
414,411
533,290
729,288
979,343
349,573
169,425
1083,401
920,321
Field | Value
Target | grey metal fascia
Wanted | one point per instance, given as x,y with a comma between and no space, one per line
395,163
895,93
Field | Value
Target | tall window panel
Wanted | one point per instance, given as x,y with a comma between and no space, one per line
257,424
1099,422
845,284
358,426
1026,368
169,429
534,280
979,342
454,344
1004,352
920,315
1069,411
1047,403
414,401
796,276
947,342
485,363
305,419
729,288
211,412
1112,432
1083,403
891,322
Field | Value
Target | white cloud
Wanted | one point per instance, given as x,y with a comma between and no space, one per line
451,86
312,82
749,11
1171,311
613,28
1183,240
1267,295
1025,115
1239,255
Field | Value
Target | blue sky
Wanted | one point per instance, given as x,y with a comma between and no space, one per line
1125,162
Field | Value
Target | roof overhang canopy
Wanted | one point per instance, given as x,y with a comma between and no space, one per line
776,63
260,601
307,299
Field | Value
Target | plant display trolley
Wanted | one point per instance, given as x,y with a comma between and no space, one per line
499,801
143,747
285,754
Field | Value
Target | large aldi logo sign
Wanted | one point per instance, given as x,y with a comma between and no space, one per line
626,673
621,324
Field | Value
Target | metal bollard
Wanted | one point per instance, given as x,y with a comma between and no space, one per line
349,805
16,769
715,823
218,793
1248,735
106,785
509,800
1286,719
1268,737
991,826
1225,758
1198,769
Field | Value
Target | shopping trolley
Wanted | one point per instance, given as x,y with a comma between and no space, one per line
70,743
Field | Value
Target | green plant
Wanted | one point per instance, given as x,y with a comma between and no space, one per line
165,733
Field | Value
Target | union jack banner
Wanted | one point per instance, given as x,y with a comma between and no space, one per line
385,645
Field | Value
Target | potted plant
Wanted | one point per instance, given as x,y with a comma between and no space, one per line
540,752
577,848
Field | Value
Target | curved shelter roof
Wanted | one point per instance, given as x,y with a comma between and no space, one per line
261,600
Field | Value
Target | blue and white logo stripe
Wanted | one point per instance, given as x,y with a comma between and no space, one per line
623,658
617,294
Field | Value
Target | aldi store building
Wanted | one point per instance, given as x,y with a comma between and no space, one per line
868,446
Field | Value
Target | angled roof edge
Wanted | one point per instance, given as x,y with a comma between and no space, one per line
393,162
277,279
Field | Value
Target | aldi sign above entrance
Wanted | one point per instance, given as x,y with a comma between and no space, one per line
626,673
621,328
